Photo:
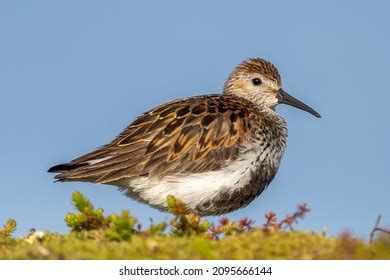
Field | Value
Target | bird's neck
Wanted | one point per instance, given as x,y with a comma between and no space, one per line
260,100
260,105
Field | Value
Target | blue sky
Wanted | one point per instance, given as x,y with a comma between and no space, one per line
73,74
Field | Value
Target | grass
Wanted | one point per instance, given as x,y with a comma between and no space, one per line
96,236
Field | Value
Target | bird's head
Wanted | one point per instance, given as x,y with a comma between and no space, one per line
259,81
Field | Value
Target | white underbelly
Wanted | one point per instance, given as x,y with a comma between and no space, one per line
195,189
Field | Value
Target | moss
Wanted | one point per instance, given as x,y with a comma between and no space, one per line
95,236
251,245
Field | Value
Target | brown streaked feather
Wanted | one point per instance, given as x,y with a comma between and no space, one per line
191,135
258,65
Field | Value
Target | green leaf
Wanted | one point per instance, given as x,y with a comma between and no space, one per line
81,203
8,228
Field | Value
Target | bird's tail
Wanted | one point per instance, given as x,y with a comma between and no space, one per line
63,169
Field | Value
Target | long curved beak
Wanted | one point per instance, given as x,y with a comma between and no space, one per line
285,98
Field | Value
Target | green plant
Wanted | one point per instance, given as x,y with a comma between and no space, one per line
8,229
115,227
88,217
184,223
120,227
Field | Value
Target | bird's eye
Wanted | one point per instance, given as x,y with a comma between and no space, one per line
256,81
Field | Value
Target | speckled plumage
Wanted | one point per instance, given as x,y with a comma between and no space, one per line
214,152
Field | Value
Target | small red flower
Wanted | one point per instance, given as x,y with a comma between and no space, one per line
271,217
223,220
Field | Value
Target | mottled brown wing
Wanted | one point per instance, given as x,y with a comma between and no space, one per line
194,135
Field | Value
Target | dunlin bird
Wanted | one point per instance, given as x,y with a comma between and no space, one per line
214,152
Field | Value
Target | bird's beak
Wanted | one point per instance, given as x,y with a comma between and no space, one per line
285,98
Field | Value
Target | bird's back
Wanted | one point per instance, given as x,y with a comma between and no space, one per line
188,135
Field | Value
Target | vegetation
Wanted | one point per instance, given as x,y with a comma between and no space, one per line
96,236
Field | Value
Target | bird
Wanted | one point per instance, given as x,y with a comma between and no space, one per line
214,152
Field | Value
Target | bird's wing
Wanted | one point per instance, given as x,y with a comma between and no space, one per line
191,135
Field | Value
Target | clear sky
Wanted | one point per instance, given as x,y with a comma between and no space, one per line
73,74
